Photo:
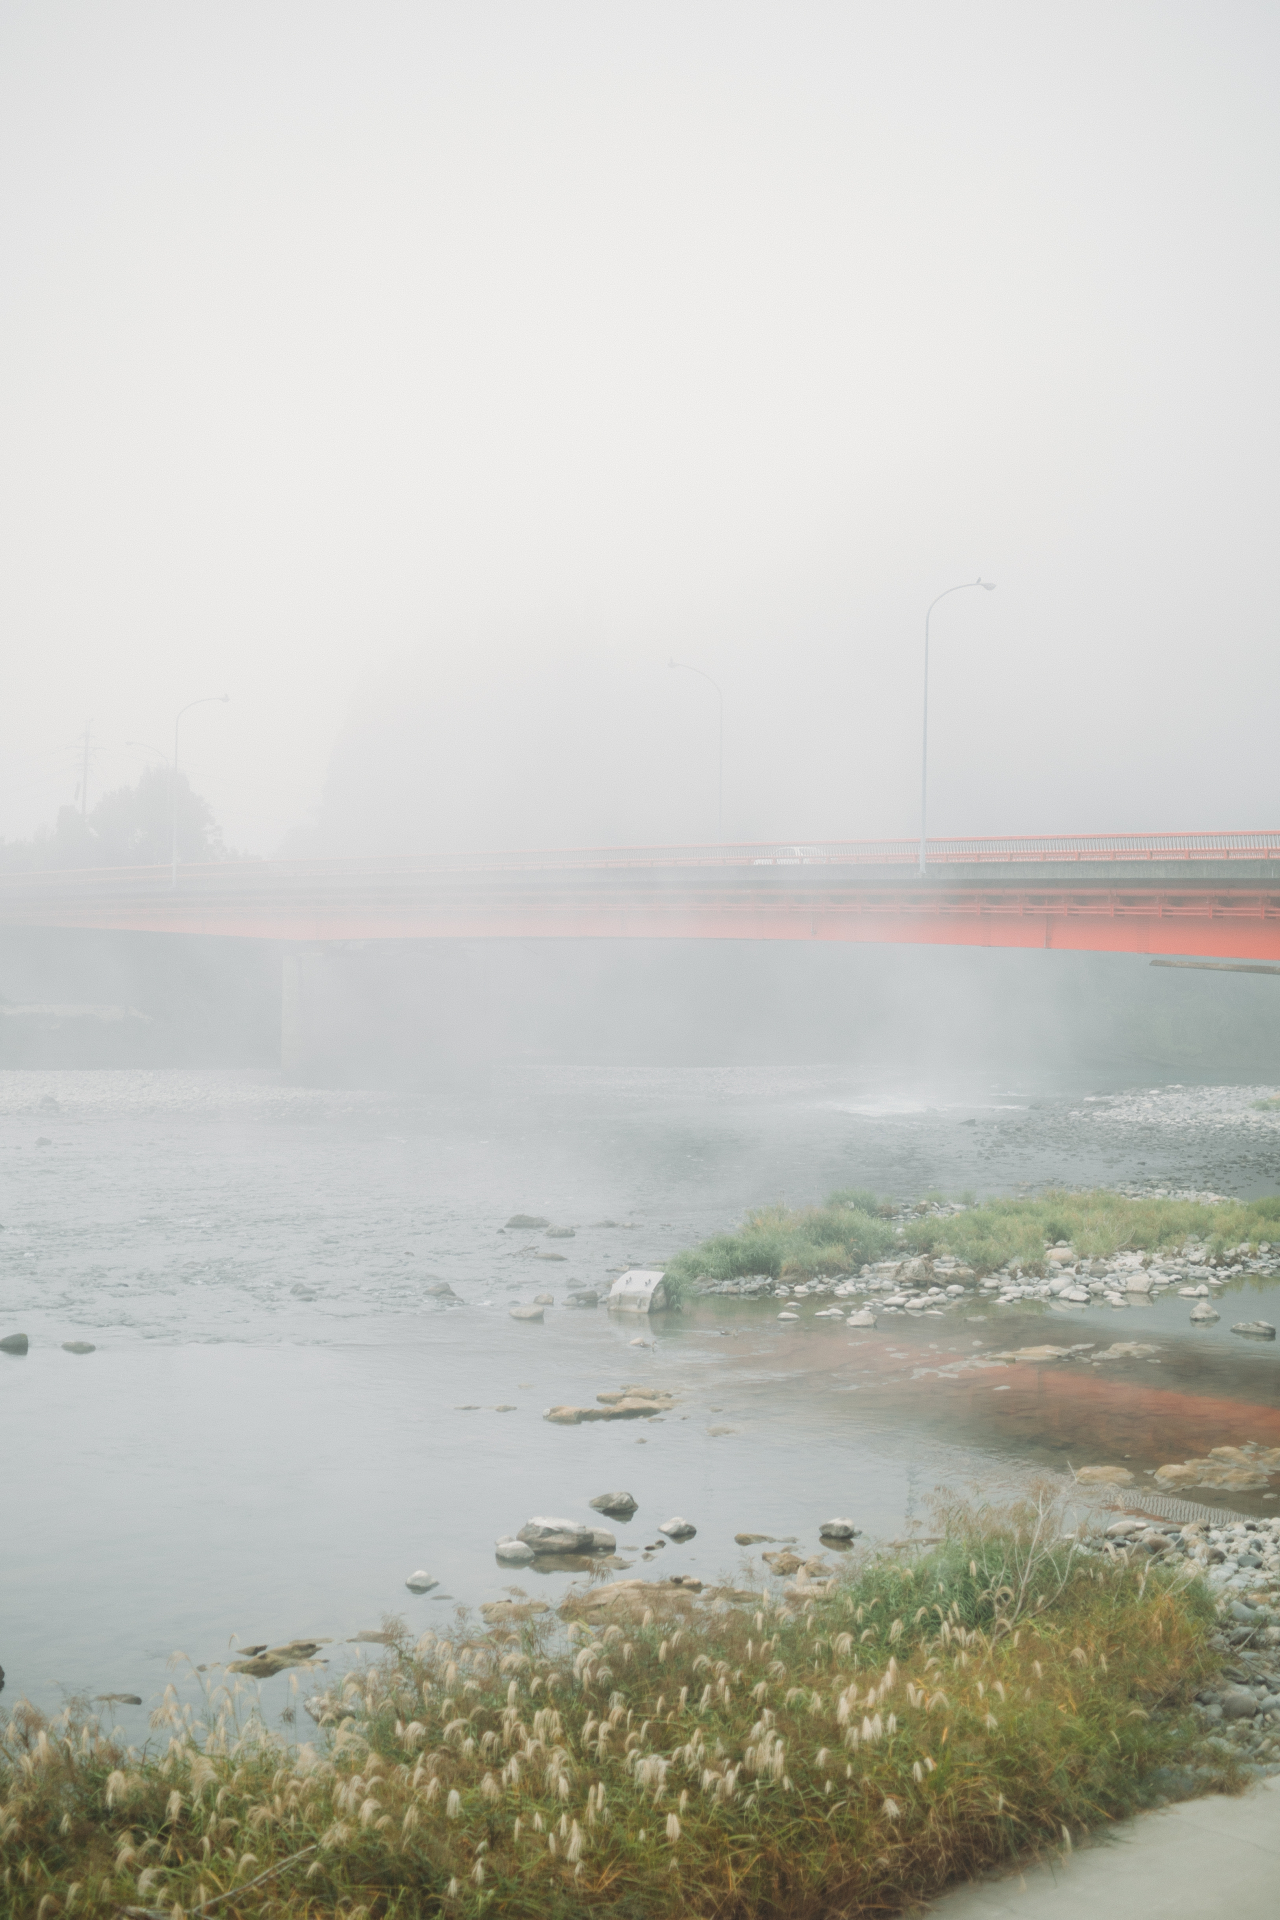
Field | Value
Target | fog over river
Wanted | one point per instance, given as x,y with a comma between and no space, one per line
278,1424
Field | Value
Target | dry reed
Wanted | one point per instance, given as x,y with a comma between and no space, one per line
845,1752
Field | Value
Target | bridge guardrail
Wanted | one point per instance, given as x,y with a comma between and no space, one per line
1024,850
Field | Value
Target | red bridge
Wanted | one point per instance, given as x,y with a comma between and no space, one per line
1213,895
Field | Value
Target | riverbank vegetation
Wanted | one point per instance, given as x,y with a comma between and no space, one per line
853,1228
852,1749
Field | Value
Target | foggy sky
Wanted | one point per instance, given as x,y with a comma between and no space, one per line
424,376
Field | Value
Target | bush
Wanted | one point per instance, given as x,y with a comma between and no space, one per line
840,1236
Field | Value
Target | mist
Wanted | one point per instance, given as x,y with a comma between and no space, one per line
425,377
434,429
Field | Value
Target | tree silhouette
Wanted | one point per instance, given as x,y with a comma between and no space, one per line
129,827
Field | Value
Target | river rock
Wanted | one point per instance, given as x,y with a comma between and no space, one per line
421,1582
506,1613
561,1233
632,1599
677,1529
1255,1329
438,1290
260,1663
526,1313
619,1506
1104,1477
1202,1314
544,1299
78,1346
783,1563
657,1396
788,1316
118,1699
837,1530
513,1553
1227,1468
1137,1282
583,1299
546,1535
864,1317
634,1404
527,1220
14,1343
1237,1703
561,1257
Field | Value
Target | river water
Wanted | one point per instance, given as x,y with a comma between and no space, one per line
278,1425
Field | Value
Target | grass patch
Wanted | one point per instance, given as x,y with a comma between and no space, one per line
853,1228
836,1238
852,1753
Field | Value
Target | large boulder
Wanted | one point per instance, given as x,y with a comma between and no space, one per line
677,1528
14,1343
546,1534
618,1506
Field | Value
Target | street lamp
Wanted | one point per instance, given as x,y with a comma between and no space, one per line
720,773
209,699
988,586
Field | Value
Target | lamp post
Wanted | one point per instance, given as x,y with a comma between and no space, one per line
684,668
988,586
209,699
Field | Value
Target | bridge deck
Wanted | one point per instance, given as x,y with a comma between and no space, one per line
1211,895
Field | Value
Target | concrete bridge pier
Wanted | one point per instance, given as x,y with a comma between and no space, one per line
302,997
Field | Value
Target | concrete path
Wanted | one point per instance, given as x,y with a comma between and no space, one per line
1192,1861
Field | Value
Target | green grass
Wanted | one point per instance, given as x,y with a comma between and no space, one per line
852,1753
852,1227
836,1238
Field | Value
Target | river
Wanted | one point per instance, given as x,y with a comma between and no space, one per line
278,1425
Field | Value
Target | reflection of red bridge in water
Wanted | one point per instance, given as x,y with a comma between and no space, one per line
1214,895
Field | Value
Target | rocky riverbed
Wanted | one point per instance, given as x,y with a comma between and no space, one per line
1239,1561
